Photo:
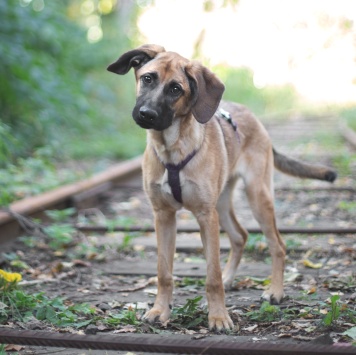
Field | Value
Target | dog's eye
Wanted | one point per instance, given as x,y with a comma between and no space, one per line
176,90
147,79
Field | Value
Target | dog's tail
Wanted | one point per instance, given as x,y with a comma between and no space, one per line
300,169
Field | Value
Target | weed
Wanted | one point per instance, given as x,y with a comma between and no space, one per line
32,176
266,313
349,206
57,312
344,162
125,317
190,315
60,215
334,312
15,304
121,221
256,242
190,281
61,235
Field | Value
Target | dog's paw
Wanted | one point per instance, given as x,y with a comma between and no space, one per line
156,314
273,295
227,285
220,322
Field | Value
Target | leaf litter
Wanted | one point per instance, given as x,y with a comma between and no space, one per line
70,270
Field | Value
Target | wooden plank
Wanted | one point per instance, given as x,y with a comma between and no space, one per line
181,269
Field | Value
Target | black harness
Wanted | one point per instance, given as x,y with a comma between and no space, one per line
174,169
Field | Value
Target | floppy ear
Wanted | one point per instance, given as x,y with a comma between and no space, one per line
207,91
135,58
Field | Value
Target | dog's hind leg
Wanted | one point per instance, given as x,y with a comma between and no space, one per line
259,189
236,233
165,225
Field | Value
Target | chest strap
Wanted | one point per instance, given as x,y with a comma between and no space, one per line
173,175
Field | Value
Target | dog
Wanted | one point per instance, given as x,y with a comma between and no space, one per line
197,148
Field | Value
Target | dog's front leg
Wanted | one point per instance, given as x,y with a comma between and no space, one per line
165,225
209,227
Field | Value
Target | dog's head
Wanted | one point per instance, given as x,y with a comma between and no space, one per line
169,87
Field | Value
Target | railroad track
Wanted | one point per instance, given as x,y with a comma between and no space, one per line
118,192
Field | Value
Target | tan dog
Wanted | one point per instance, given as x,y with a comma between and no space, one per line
196,151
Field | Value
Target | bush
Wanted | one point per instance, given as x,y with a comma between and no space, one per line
44,82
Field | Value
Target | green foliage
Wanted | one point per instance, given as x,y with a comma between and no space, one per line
61,235
191,282
60,215
334,312
266,313
240,88
349,115
344,162
37,74
32,176
124,317
16,304
190,315
351,333
349,206
256,242
50,90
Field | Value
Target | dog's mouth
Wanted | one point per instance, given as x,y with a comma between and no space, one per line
145,125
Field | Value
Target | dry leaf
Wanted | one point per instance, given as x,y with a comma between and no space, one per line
13,347
311,290
125,329
310,264
250,329
284,335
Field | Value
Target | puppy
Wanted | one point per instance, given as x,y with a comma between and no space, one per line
197,149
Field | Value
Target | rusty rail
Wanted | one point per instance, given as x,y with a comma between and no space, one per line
65,195
165,345
194,229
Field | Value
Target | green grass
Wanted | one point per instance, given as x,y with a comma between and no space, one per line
33,176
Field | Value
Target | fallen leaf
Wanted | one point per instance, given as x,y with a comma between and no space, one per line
125,329
311,290
78,262
13,347
250,329
284,335
310,264
351,333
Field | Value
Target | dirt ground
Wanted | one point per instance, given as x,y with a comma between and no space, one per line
116,271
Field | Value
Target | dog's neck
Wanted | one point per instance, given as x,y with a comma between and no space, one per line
179,140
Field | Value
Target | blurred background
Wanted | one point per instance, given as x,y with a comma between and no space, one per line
58,104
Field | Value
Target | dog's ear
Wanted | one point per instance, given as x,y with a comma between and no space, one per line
207,91
135,58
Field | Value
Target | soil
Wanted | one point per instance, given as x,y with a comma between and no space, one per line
114,271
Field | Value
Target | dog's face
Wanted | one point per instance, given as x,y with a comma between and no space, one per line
169,87
164,91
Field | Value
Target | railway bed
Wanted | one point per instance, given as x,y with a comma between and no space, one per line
117,270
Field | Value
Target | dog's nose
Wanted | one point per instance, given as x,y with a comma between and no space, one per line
148,114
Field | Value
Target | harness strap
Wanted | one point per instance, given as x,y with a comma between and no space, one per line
221,113
173,175
174,169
